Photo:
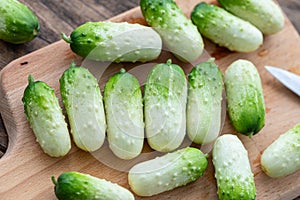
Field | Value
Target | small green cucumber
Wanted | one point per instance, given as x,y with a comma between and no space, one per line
18,24
46,118
124,114
167,172
266,15
245,98
282,157
115,42
178,33
165,100
204,105
83,102
225,29
80,186
235,179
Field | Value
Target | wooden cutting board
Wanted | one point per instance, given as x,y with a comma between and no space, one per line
25,170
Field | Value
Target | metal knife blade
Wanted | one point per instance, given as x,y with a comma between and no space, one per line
289,79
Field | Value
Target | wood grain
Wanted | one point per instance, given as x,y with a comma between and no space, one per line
25,170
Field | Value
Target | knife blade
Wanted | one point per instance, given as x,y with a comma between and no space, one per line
288,79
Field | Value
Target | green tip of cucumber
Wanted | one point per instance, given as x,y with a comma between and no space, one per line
73,64
169,61
53,180
66,38
30,79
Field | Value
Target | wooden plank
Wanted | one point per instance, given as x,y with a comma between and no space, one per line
25,170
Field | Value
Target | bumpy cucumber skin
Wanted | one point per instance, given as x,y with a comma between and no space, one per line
167,172
235,179
124,114
18,24
226,29
265,15
46,118
204,103
165,100
245,100
115,42
80,186
282,157
83,102
178,33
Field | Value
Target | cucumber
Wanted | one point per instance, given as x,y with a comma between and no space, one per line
225,29
282,157
46,118
124,114
80,186
177,31
18,24
245,99
83,102
235,179
265,15
204,103
115,42
167,172
165,100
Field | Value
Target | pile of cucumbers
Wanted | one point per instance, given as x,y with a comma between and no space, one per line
172,105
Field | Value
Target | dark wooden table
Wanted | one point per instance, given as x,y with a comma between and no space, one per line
58,16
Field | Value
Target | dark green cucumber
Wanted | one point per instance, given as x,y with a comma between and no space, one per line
115,42
80,186
18,24
46,118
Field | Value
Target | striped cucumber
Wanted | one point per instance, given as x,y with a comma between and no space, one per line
165,106
83,102
46,118
124,114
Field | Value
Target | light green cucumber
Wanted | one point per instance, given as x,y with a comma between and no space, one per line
235,179
282,157
165,106
124,114
18,24
225,29
83,102
167,172
177,31
46,118
245,98
266,15
204,105
80,186
115,42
